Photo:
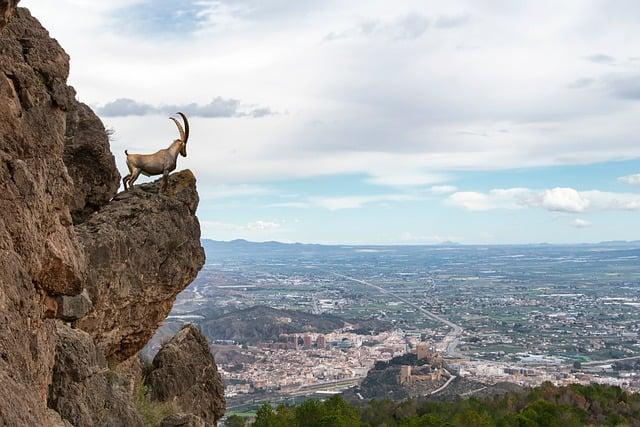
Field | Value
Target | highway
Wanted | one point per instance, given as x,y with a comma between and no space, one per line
450,341
604,362
304,390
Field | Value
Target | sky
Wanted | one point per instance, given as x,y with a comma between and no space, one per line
377,122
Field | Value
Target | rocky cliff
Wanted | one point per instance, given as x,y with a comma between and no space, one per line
143,248
72,250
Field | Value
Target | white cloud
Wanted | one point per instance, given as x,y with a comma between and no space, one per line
252,228
558,199
217,107
353,202
513,198
443,189
630,179
403,178
603,200
344,202
262,226
233,190
408,237
580,223
563,200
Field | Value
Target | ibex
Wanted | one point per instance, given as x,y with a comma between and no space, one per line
161,162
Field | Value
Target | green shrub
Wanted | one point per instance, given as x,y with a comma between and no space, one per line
152,412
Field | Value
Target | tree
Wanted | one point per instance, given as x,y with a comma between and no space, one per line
234,421
265,417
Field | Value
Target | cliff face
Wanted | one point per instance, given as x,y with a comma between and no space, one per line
71,249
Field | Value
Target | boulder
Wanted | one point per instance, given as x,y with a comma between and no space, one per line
89,162
185,372
182,420
71,308
143,248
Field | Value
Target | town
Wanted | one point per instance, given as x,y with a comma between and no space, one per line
522,315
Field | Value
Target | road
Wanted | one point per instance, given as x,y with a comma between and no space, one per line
445,385
327,386
604,362
301,391
450,341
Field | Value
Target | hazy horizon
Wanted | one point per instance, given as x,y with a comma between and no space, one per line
447,243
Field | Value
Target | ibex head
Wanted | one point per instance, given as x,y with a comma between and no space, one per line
184,133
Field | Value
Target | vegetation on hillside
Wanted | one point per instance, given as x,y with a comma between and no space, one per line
547,405
261,323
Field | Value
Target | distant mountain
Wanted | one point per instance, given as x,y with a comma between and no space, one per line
619,243
245,245
242,243
261,323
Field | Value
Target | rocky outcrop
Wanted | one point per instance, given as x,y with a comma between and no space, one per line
89,162
83,390
184,371
70,250
143,248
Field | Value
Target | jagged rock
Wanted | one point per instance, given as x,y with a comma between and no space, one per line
71,308
7,8
84,391
184,371
143,248
182,420
130,371
89,161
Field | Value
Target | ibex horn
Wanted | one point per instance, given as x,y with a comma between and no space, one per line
186,126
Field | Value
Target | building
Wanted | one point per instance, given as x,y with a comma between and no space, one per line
405,374
321,341
422,350
307,341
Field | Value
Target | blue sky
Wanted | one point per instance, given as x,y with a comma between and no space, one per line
377,122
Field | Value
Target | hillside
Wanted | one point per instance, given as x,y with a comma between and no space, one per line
261,323
547,405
